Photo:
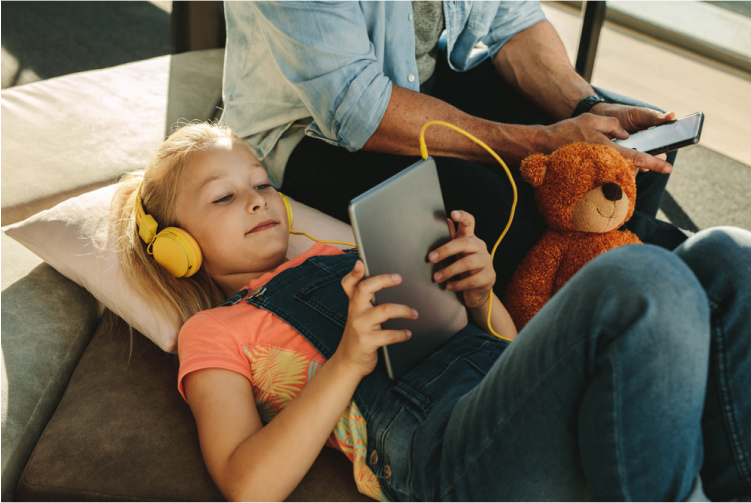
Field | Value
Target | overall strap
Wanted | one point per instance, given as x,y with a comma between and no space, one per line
310,298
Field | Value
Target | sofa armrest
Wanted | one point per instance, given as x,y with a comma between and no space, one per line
47,322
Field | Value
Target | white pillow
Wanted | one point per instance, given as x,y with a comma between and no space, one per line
73,238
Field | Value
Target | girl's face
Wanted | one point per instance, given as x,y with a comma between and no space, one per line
226,202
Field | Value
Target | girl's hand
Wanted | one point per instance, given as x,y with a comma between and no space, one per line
473,266
362,334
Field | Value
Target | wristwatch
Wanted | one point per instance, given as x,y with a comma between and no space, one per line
587,103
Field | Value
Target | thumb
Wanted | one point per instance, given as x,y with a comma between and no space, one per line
647,117
351,280
452,228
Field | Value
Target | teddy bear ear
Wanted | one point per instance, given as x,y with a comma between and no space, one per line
533,169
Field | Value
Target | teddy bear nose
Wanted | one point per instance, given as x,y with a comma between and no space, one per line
612,191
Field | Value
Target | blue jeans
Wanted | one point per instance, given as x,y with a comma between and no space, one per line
633,380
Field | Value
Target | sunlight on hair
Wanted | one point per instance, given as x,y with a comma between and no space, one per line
161,177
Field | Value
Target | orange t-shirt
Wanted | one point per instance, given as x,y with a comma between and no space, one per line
277,361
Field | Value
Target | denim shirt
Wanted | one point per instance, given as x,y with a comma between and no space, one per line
325,69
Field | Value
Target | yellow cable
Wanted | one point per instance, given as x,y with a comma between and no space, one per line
424,153
291,217
353,245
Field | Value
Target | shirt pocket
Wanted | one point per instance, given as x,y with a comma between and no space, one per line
327,298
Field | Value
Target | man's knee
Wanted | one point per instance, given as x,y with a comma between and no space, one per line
645,269
730,245
719,252
653,303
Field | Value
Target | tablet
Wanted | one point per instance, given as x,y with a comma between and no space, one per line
396,225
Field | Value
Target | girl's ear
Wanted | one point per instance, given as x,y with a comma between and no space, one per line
533,169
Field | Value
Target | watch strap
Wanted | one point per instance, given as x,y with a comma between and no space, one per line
587,103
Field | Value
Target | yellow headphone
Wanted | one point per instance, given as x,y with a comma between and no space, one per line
176,250
173,248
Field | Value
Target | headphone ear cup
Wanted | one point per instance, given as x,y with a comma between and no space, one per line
178,252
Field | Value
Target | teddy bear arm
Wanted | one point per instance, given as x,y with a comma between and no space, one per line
533,281
629,238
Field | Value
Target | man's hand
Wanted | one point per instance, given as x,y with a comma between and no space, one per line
634,119
593,128
631,118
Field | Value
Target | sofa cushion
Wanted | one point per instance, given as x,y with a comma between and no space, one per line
123,432
68,135
47,320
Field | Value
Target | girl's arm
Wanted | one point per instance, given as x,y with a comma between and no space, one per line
249,461
473,275
499,319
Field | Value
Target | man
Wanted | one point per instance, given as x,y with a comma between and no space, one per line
333,95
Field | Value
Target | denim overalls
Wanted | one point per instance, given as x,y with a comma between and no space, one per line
310,298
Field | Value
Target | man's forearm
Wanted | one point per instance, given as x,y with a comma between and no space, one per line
407,111
535,63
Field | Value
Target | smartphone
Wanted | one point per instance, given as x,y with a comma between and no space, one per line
666,137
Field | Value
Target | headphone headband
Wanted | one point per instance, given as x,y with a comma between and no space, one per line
147,226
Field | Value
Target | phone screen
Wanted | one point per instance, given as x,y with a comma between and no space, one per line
658,139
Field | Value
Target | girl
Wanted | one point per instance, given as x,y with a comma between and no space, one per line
631,383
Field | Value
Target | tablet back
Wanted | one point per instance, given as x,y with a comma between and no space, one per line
396,224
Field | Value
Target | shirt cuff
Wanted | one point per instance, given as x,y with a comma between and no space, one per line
531,15
358,115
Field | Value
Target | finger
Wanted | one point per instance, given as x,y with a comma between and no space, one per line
470,263
350,281
643,118
386,337
385,312
466,223
484,279
644,161
608,126
656,117
638,170
452,228
365,290
471,244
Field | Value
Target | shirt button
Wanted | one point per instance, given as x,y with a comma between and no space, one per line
410,16
411,77
387,472
373,458
309,133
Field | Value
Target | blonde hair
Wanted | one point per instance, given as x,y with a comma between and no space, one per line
161,179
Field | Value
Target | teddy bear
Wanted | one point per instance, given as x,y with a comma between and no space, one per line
585,192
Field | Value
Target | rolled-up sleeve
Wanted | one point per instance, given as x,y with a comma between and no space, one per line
510,19
323,50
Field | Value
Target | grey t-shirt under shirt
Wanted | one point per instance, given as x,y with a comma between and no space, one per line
429,24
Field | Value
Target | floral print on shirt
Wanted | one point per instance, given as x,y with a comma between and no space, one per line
278,376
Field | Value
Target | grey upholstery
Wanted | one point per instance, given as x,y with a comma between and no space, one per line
47,322
123,432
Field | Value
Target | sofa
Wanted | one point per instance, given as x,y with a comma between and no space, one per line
90,408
